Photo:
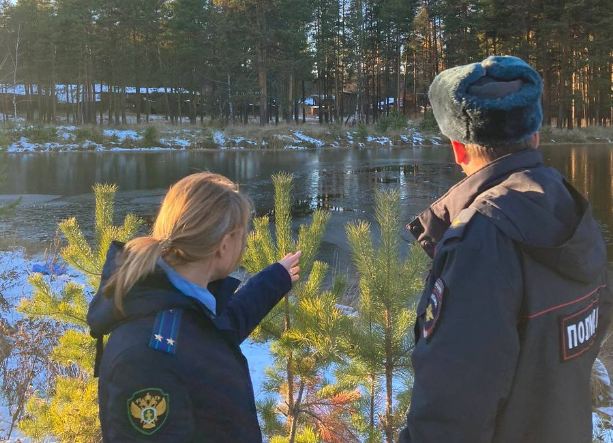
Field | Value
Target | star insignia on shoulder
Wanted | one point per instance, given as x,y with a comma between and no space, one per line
158,337
170,341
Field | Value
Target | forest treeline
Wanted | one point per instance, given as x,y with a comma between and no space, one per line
231,59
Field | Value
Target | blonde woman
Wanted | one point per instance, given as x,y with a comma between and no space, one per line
172,369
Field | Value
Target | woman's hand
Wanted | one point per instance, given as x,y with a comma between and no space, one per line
290,263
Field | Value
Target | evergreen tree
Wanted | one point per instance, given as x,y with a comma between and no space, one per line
304,329
69,411
380,341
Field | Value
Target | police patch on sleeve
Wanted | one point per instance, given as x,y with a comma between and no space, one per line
148,410
578,331
433,308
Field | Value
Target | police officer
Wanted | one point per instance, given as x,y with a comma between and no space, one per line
517,301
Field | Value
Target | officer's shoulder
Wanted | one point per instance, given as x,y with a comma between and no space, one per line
166,332
459,225
155,335
469,229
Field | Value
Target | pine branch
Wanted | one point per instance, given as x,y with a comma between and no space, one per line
283,225
105,201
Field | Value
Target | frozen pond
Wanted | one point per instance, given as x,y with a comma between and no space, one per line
58,185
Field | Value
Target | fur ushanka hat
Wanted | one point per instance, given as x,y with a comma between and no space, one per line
492,103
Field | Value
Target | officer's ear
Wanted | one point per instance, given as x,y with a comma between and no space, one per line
459,152
535,140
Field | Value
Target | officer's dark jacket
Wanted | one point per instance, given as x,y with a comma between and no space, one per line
207,381
513,312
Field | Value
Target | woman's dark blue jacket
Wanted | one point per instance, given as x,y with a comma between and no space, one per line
173,372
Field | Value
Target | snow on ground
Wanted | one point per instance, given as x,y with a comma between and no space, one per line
305,138
259,358
242,141
15,269
219,138
176,141
350,137
602,417
16,266
151,149
194,137
66,132
382,140
122,134
602,428
22,145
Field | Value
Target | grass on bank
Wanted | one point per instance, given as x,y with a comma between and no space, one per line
206,136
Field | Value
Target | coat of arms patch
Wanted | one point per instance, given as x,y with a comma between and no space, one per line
148,410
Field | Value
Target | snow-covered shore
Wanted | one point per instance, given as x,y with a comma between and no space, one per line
72,138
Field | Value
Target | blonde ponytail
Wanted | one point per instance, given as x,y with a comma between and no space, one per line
138,259
194,217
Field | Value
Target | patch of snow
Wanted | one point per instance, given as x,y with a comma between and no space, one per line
379,140
176,141
219,138
15,270
239,140
305,138
16,267
347,310
122,134
259,357
602,428
22,145
66,132
147,149
600,372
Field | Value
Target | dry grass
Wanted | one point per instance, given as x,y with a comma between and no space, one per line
596,134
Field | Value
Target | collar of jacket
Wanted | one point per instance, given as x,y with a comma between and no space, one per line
150,295
429,226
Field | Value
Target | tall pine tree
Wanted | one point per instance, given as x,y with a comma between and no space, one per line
304,329
380,342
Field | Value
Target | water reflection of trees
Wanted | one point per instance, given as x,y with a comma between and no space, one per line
590,169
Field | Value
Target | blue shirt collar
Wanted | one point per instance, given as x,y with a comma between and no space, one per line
186,287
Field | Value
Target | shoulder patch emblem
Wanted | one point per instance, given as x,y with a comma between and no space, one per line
148,410
578,331
433,308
